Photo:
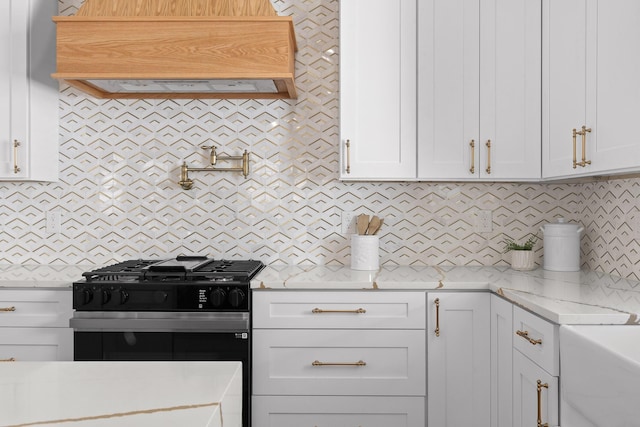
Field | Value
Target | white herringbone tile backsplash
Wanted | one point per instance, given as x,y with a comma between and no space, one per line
119,198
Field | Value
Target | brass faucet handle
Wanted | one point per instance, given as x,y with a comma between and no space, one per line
213,156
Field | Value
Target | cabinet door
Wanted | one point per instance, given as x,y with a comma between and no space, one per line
448,89
378,89
36,344
458,360
510,89
590,80
613,84
331,411
501,362
29,112
531,398
564,82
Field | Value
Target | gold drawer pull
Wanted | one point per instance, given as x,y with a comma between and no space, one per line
525,335
437,303
540,387
472,144
11,359
12,308
356,311
16,144
319,363
488,144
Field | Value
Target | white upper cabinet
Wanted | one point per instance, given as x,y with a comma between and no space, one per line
479,89
378,89
591,78
29,105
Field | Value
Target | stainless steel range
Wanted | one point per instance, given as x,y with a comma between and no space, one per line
185,308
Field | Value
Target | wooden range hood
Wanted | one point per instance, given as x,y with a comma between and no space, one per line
177,49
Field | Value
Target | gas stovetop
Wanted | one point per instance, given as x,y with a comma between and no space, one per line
177,284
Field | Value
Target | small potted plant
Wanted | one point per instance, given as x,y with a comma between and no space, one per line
522,257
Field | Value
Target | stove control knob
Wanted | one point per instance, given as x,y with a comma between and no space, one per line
124,296
217,297
86,296
106,296
236,297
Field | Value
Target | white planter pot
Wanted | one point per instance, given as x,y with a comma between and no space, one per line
522,260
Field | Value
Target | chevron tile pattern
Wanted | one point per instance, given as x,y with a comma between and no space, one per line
119,198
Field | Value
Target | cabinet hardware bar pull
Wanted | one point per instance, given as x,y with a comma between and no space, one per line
488,144
11,359
348,144
12,308
319,363
437,303
356,311
16,144
540,387
575,160
472,144
525,335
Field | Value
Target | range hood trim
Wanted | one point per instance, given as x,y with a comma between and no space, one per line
86,47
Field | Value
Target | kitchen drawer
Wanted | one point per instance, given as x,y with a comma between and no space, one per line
35,308
331,411
31,344
339,310
540,344
393,362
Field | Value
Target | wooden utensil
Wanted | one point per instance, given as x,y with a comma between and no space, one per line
379,226
362,222
374,225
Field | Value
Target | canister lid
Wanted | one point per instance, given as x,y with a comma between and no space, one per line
560,227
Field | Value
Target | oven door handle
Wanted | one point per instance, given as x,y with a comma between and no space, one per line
106,323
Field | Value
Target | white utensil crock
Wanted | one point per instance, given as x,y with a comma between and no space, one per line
364,252
561,244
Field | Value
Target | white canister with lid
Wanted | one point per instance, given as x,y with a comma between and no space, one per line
561,244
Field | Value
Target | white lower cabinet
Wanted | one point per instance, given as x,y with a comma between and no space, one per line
331,411
458,372
34,325
501,362
535,394
344,367
536,369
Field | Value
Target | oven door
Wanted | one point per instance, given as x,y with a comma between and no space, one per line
149,336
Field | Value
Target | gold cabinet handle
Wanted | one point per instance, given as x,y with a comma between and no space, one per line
525,335
11,359
12,308
348,145
540,387
356,311
16,144
472,144
437,303
583,133
358,363
488,144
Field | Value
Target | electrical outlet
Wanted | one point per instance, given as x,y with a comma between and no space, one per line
484,222
348,222
54,221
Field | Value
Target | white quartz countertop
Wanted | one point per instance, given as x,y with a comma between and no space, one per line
109,394
581,297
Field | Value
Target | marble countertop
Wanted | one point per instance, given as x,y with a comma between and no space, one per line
110,394
581,297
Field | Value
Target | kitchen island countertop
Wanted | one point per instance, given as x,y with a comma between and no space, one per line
105,394
582,297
